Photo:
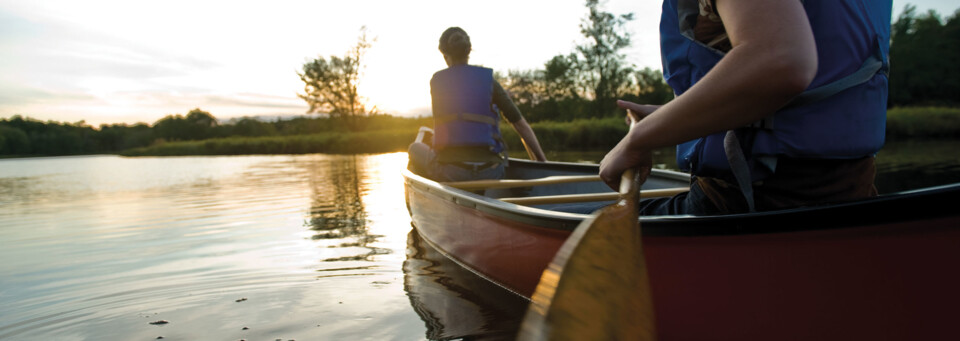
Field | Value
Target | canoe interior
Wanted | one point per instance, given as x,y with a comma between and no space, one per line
524,169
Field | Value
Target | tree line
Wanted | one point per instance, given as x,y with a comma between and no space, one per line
20,136
924,51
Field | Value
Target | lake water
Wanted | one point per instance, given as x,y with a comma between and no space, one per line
304,247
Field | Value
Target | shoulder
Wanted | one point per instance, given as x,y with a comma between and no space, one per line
439,76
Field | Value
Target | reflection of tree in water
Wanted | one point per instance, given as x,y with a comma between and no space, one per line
337,212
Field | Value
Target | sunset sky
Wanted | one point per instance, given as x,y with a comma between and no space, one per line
112,61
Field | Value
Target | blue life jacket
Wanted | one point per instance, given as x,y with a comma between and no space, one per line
463,111
842,115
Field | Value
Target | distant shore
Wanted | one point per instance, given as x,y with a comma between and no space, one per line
395,134
584,134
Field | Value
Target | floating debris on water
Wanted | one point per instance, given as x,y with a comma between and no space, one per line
242,299
160,322
159,337
245,328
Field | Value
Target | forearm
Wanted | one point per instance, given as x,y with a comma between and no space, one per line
529,140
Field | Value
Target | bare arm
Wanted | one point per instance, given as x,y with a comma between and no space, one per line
772,60
529,139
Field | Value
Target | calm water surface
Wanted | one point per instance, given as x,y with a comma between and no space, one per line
293,247
308,247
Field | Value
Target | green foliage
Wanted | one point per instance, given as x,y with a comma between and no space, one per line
651,88
923,122
586,83
252,127
560,78
923,57
177,133
196,125
50,138
331,86
13,141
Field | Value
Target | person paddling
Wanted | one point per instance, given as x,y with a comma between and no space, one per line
780,103
467,103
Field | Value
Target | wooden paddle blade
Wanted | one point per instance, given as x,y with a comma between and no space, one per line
596,288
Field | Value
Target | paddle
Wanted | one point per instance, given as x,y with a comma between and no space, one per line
596,287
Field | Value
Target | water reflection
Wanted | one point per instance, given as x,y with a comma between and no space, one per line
338,213
97,247
906,165
455,303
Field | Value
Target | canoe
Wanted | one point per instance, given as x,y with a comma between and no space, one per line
882,268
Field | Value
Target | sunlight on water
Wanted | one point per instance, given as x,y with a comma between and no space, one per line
293,247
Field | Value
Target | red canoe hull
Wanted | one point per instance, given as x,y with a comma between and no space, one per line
863,279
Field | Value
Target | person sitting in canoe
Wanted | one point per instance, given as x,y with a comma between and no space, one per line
467,104
780,103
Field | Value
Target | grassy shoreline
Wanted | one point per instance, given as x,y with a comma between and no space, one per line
579,135
923,123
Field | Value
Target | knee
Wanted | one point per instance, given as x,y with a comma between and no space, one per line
419,156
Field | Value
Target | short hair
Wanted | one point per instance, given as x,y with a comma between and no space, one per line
455,43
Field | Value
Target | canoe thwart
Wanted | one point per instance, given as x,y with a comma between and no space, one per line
510,183
572,198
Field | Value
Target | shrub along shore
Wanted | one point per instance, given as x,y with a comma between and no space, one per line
908,123
584,134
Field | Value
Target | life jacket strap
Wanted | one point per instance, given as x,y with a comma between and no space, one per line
867,70
870,67
739,167
469,117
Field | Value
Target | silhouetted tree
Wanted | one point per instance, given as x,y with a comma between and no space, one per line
251,127
651,88
331,85
13,141
197,125
560,78
603,69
